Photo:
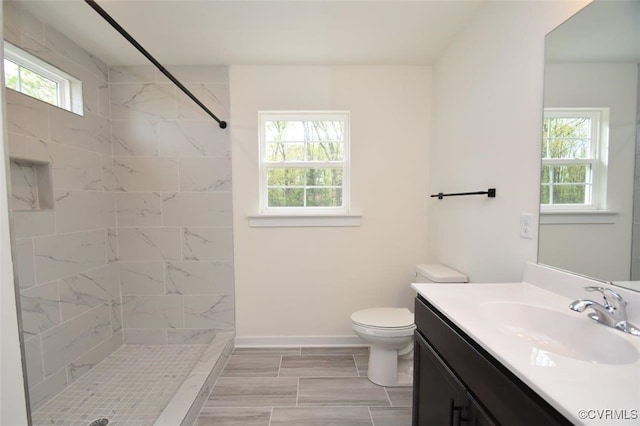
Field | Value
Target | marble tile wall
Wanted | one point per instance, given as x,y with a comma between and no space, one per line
138,246
69,281
172,182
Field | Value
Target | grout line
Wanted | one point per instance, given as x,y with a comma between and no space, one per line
388,397
356,365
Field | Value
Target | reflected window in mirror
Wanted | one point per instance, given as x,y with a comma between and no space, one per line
574,159
592,60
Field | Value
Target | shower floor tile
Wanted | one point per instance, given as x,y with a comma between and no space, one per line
130,387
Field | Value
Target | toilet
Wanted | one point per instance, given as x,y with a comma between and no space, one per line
389,331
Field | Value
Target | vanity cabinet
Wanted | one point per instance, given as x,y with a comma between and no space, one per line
446,397
456,382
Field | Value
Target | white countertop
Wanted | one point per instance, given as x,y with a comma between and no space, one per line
578,387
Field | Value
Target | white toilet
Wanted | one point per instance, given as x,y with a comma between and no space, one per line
389,331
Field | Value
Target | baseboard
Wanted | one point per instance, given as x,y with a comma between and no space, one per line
297,341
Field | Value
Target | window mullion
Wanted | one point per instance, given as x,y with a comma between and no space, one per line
568,161
552,183
20,78
304,188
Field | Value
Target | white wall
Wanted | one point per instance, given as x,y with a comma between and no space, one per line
486,133
307,281
597,249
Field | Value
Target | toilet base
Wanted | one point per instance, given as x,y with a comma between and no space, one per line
383,368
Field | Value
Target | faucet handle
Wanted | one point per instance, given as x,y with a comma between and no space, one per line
611,297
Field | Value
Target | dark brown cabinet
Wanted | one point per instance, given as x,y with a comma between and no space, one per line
456,382
443,398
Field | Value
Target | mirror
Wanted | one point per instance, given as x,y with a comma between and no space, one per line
591,64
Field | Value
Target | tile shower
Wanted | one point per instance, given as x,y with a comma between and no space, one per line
130,240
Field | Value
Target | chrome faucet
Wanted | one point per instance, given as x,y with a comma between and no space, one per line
612,313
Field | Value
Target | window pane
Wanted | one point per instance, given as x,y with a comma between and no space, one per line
571,174
544,194
11,77
274,130
285,177
324,197
569,194
324,177
574,127
39,87
546,174
324,130
284,131
286,197
568,148
325,151
279,151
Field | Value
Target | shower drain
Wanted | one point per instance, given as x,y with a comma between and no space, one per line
99,422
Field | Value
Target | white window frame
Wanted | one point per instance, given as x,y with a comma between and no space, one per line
69,88
342,210
598,159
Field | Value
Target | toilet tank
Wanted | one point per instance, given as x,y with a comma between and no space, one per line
437,273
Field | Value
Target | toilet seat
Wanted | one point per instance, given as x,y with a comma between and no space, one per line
388,332
384,318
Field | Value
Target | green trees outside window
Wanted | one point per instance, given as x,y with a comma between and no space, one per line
304,162
570,155
30,83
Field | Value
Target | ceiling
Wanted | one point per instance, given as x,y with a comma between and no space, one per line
268,32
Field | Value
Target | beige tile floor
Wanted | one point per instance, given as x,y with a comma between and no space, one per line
303,386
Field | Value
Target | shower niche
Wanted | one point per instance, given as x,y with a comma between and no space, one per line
31,188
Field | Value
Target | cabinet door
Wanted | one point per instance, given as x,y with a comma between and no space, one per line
439,399
477,415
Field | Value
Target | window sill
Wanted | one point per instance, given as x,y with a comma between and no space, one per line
578,217
304,221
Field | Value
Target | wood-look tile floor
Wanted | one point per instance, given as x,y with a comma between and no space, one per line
303,386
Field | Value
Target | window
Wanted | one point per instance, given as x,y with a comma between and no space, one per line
574,159
33,77
304,159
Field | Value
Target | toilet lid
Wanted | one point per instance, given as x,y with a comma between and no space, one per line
384,317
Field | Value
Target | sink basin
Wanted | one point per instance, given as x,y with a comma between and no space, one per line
553,332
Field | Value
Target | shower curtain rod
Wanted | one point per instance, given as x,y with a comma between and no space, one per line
125,34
